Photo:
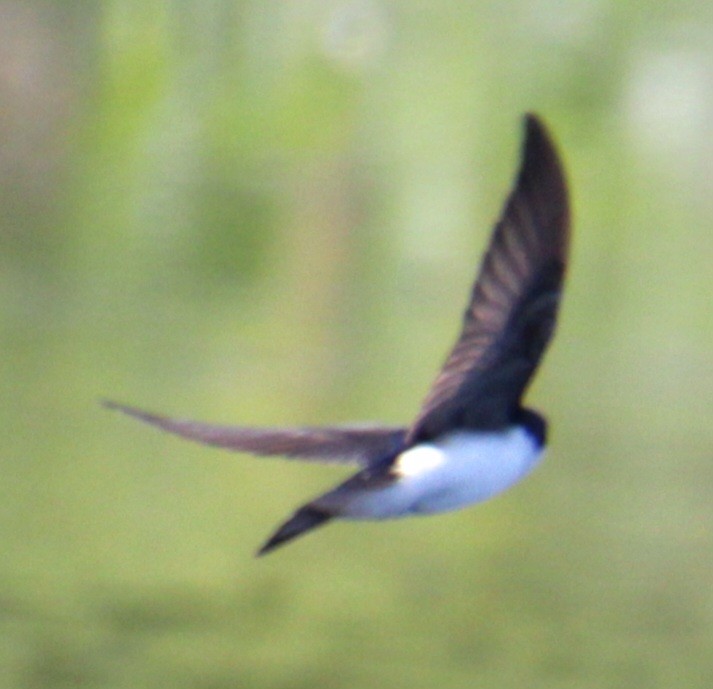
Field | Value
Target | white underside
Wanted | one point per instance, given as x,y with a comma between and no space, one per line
460,469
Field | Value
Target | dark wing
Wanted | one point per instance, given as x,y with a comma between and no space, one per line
513,306
357,444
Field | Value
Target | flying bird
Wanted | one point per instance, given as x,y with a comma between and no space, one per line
472,437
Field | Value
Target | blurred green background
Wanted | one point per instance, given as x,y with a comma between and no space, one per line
270,213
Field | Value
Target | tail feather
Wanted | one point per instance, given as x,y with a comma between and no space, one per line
304,519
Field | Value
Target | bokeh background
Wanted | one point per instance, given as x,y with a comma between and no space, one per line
270,213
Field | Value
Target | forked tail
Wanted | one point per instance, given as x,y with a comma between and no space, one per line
304,519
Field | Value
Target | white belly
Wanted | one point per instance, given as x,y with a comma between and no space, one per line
460,469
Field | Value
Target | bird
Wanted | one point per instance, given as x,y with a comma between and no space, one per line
472,438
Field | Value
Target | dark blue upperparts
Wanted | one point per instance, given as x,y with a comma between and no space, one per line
533,423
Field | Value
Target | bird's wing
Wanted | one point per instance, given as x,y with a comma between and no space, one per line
348,444
513,305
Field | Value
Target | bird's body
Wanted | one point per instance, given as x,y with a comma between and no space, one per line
472,438
459,469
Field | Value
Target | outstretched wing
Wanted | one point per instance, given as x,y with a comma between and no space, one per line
513,305
348,444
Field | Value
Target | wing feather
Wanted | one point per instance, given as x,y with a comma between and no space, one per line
348,444
511,315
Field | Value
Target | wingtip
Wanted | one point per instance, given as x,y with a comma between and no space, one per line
532,121
543,174
537,136
534,118
112,405
128,410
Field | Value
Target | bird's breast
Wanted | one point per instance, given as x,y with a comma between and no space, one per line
456,470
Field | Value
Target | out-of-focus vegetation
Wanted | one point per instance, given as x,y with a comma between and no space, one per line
270,213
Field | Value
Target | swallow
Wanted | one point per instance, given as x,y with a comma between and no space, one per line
472,437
